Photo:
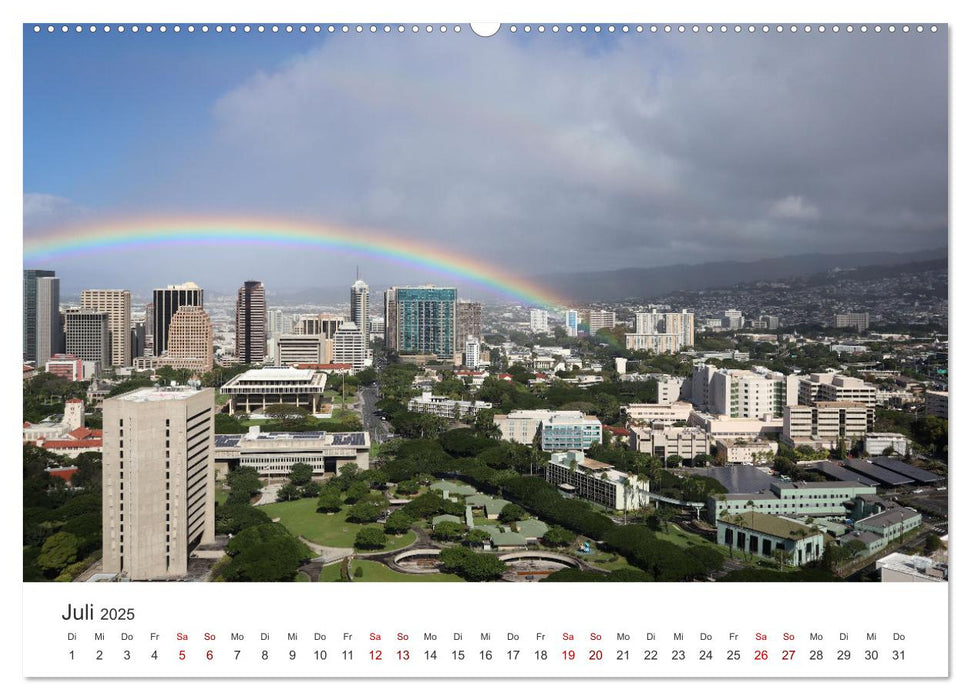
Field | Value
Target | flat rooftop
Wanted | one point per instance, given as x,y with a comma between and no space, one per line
275,374
159,393
772,525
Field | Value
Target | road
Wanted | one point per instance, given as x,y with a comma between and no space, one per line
378,428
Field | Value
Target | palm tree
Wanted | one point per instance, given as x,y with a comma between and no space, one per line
750,504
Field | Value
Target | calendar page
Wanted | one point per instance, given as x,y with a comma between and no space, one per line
546,348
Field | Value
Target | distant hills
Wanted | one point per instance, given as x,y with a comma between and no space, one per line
645,282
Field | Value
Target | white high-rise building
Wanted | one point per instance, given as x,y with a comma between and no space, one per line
662,332
472,358
360,307
732,319
349,347
117,302
539,321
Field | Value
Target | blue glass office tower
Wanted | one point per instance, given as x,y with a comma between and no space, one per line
421,320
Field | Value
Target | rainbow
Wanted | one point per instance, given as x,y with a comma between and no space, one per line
137,234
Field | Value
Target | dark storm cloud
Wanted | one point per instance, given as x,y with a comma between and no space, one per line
555,153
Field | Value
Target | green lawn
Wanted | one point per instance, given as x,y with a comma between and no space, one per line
221,495
376,572
603,560
676,535
327,529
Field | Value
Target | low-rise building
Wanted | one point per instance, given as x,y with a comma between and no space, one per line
295,349
770,536
795,498
256,389
274,454
878,443
900,567
664,441
444,407
745,451
725,428
935,403
579,476
648,413
558,430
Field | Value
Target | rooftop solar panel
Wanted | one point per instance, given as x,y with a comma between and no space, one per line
921,476
835,471
884,476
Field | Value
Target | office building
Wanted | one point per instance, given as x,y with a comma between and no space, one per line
360,307
732,319
318,324
137,341
165,302
49,327
909,568
878,443
748,394
274,454
190,340
86,335
469,320
539,321
254,390
279,323
672,389
723,427
815,498
571,320
830,386
294,349
601,319
350,347
663,441
251,323
444,407
149,330
117,303
648,413
824,424
734,451
558,430
421,320
772,537
859,321
158,482
935,403
31,318
579,476
66,367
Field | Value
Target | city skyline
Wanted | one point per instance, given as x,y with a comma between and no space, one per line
727,149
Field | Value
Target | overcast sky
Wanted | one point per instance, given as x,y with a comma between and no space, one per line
541,153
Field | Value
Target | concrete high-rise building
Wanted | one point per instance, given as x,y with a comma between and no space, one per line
190,340
117,302
158,482
165,303
318,324
300,349
857,320
137,339
361,307
47,321
349,347
472,356
830,386
251,322
747,394
825,423
86,335
149,350
539,321
30,312
662,331
601,319
469,320
732,319
571,319
421,320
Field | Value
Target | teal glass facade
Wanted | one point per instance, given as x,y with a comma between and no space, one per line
426,320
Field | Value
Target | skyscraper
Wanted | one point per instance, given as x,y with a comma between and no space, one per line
149,348
251,322
165,303
190,340
421,320
158,483
601,319
30,311
50,337
469,320
87,335
117,302
360,307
